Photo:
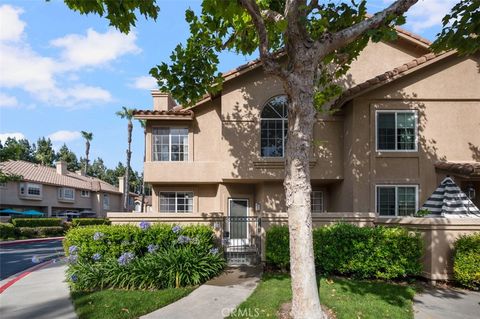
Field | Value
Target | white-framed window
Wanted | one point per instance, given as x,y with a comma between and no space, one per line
396,200
274,127
170,144
317,204
176,202
65,193
396,131
30,190
84,193
106,201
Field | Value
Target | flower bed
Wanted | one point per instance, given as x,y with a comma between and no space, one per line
146,257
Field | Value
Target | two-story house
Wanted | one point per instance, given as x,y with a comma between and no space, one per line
407,119
56,190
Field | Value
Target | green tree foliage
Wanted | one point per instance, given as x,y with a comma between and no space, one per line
68,156
461,28
14,149
44,153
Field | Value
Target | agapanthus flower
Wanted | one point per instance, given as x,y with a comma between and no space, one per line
183,239
214,251
125,258
97,257
176,229
74,277
97,236
36,259
152,248
73,249
72,259
144,225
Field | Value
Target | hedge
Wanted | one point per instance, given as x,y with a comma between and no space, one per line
362,252
37,222
145,257
7,231
90,221
35,232
466,261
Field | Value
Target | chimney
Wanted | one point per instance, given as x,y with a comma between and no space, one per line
80,172
61,167
162,101
121,183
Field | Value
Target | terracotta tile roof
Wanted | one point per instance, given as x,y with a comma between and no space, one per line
37,173
414,36
463,168
176,112
391,75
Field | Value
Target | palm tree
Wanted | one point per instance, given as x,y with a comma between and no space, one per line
143,124
126,113
88,136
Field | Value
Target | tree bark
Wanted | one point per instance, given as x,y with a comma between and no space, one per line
127,170
143,177
301,119
87,153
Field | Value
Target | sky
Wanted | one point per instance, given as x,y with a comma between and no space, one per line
62,72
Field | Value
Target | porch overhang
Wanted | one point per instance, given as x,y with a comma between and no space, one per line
467,170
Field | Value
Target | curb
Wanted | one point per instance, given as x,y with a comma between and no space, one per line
13,279
26,241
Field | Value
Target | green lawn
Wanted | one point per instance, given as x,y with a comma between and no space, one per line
348,298
123,304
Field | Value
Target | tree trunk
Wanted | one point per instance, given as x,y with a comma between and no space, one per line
301,118
87,153
127,170
143,177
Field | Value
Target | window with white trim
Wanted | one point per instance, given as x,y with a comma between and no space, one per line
317,202
65,193
84,193
170,144
106,201
176,202
397,200
274,127
396,130
30,190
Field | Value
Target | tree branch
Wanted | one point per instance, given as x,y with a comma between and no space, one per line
272,15
312,6
350,34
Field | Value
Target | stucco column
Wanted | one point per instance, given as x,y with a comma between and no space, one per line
49,211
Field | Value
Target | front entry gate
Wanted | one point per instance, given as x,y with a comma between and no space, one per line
241,234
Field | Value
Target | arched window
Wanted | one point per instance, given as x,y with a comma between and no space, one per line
274,125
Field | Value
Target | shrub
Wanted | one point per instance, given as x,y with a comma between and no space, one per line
363,252
34,232
130,257
90,221
37,222
7,230
466,261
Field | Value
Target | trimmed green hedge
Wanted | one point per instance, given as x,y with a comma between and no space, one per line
35,232
362,252
466,261
146,257
7,231
37,222
90,221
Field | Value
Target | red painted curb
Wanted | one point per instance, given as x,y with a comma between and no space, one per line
26,241
24,274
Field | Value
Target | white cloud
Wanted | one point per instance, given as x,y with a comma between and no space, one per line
144,83
84,93
95,48
64,136
11,27
8,100
16,135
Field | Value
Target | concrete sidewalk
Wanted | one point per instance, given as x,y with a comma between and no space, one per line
42,294
216,299
446,303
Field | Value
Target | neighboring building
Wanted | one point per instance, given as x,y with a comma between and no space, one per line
147,204
54,190
407,119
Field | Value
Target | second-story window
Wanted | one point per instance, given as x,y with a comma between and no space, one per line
396,131
274,126
170,144
30,190
65,193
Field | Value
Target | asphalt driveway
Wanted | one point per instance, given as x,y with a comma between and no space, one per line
18,257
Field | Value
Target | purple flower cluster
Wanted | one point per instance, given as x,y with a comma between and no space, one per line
125,258
97,257
144,225
72,259
176,229
36,260
183,239
98,236
74,277
73,249
214,251
152,248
